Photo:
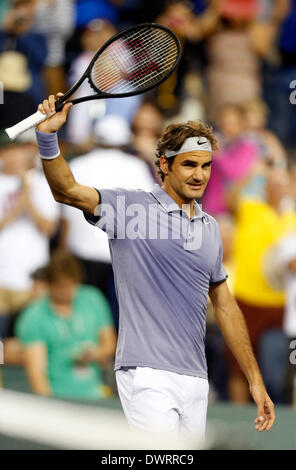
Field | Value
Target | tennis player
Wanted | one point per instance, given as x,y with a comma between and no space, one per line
167,257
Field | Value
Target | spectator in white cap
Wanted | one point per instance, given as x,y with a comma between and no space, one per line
112,131
97,169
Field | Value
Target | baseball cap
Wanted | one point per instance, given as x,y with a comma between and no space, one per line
112,130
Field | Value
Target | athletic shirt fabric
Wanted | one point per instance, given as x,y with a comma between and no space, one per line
162,276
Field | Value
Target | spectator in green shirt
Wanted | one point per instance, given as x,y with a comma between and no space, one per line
67,335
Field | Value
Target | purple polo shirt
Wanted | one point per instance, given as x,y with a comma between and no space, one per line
163,265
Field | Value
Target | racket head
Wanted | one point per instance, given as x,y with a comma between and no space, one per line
134,61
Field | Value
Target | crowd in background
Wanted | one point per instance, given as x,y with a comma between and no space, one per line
238,72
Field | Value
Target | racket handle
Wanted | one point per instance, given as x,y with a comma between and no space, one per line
26,124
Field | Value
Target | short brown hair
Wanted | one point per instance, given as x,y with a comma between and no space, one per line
63,264
175,135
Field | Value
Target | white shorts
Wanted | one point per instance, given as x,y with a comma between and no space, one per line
160,401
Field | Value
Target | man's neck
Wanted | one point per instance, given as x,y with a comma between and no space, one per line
63,310
179,200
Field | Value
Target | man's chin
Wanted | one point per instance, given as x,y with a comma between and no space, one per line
195,193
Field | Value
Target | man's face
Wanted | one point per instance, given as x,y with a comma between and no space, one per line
14,160
23,15
231,123
278,185
63,290
189,174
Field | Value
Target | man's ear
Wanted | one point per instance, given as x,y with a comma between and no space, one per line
164,165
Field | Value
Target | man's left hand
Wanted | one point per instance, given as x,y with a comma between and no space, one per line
265,412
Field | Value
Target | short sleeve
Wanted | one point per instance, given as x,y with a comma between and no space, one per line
110,213
218,273
29,327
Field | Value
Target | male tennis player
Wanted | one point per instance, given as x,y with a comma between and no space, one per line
167,256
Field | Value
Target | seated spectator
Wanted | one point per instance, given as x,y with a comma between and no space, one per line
16,35
67,335
3,9
16,80
13,349
28,215
232,162
179,17
87,10
147,127
260,224
55,20
256,116
281,270
237,73
280,77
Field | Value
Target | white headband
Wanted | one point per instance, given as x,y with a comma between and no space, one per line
191,144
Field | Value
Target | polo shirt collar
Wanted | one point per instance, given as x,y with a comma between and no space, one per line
170,205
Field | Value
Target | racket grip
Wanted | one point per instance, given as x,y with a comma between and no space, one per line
26,124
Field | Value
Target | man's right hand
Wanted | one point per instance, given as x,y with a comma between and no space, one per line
55,122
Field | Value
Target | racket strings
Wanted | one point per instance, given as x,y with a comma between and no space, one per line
157,55
142,82
140,71
138,51
135,61
136,72
154,51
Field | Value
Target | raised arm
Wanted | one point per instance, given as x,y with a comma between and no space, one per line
63,185
233,327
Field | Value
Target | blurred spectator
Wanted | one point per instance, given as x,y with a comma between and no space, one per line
16,81
179,17
279,79
55,19
40,284
16,35
193,102
3,9
232,77
87,10
281,270
260,224
28,215
147,127
232,162
68,335
108,166
256,117
13,349
82,118
239,41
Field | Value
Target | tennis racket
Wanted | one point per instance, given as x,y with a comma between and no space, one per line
131,62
